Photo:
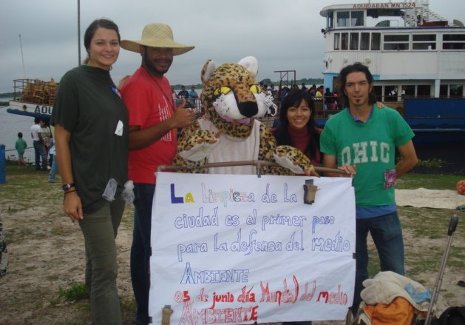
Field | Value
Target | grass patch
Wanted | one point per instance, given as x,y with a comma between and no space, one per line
429,181
76,291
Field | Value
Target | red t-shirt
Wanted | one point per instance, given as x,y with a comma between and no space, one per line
148,101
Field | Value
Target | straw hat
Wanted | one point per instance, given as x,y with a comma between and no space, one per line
156,35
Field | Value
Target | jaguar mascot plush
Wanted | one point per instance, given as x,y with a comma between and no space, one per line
230,130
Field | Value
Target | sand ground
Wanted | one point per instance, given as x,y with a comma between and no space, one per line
46,254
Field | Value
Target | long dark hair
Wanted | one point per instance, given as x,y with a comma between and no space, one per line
293,99
90,32
356,67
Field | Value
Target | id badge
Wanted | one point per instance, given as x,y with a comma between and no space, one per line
390,178
110,190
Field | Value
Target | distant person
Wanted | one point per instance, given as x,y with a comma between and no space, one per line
193,96
312,90
153,124
40,152
91,132
363,140
54,168
183,93
20,147
46,133
329,100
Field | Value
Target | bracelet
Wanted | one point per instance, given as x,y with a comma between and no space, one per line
69,191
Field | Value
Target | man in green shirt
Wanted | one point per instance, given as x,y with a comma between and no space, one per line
362,140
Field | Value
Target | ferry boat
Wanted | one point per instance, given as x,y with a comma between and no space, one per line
417,59
33,97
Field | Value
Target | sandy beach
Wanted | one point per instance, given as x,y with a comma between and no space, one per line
46,254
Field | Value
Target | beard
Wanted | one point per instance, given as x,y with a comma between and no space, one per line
153,66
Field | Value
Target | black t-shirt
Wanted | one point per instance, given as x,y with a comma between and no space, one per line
89,106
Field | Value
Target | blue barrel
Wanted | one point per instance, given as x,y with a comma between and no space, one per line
2,164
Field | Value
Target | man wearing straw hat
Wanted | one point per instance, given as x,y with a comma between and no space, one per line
153,123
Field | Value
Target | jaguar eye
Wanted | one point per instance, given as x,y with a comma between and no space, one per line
255,89
222,91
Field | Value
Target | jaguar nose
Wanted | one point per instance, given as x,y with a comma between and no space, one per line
248,109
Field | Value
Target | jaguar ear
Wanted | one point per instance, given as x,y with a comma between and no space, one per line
251,64
207,70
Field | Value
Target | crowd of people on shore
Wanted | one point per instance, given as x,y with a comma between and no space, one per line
43,145
325,100
109,141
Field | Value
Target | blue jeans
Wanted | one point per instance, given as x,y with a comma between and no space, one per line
386,232
53,170
40,153
140,249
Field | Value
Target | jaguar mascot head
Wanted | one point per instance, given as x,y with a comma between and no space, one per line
232,98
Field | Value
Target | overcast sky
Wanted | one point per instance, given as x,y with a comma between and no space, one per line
282,34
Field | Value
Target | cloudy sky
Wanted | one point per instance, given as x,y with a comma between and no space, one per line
282,34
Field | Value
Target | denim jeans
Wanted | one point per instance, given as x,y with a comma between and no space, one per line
53,170
40,153
140,249
386,232
100,229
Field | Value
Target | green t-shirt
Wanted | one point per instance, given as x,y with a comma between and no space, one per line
371,147
88,105
20,145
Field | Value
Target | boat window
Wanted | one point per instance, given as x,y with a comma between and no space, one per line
424,37
443,89
453,37
344,41
396,42
330,21
365,42
390,93
342,19
337,39
375,41
408,91
456,91
424,42
356,18
423,91
354,41
453,41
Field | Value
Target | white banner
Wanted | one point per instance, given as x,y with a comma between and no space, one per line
234,249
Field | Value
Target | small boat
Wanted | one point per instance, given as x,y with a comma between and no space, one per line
417,59
33,97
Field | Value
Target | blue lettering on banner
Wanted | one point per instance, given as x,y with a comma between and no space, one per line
214,276
338,244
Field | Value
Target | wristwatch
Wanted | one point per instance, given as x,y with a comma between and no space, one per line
67,187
